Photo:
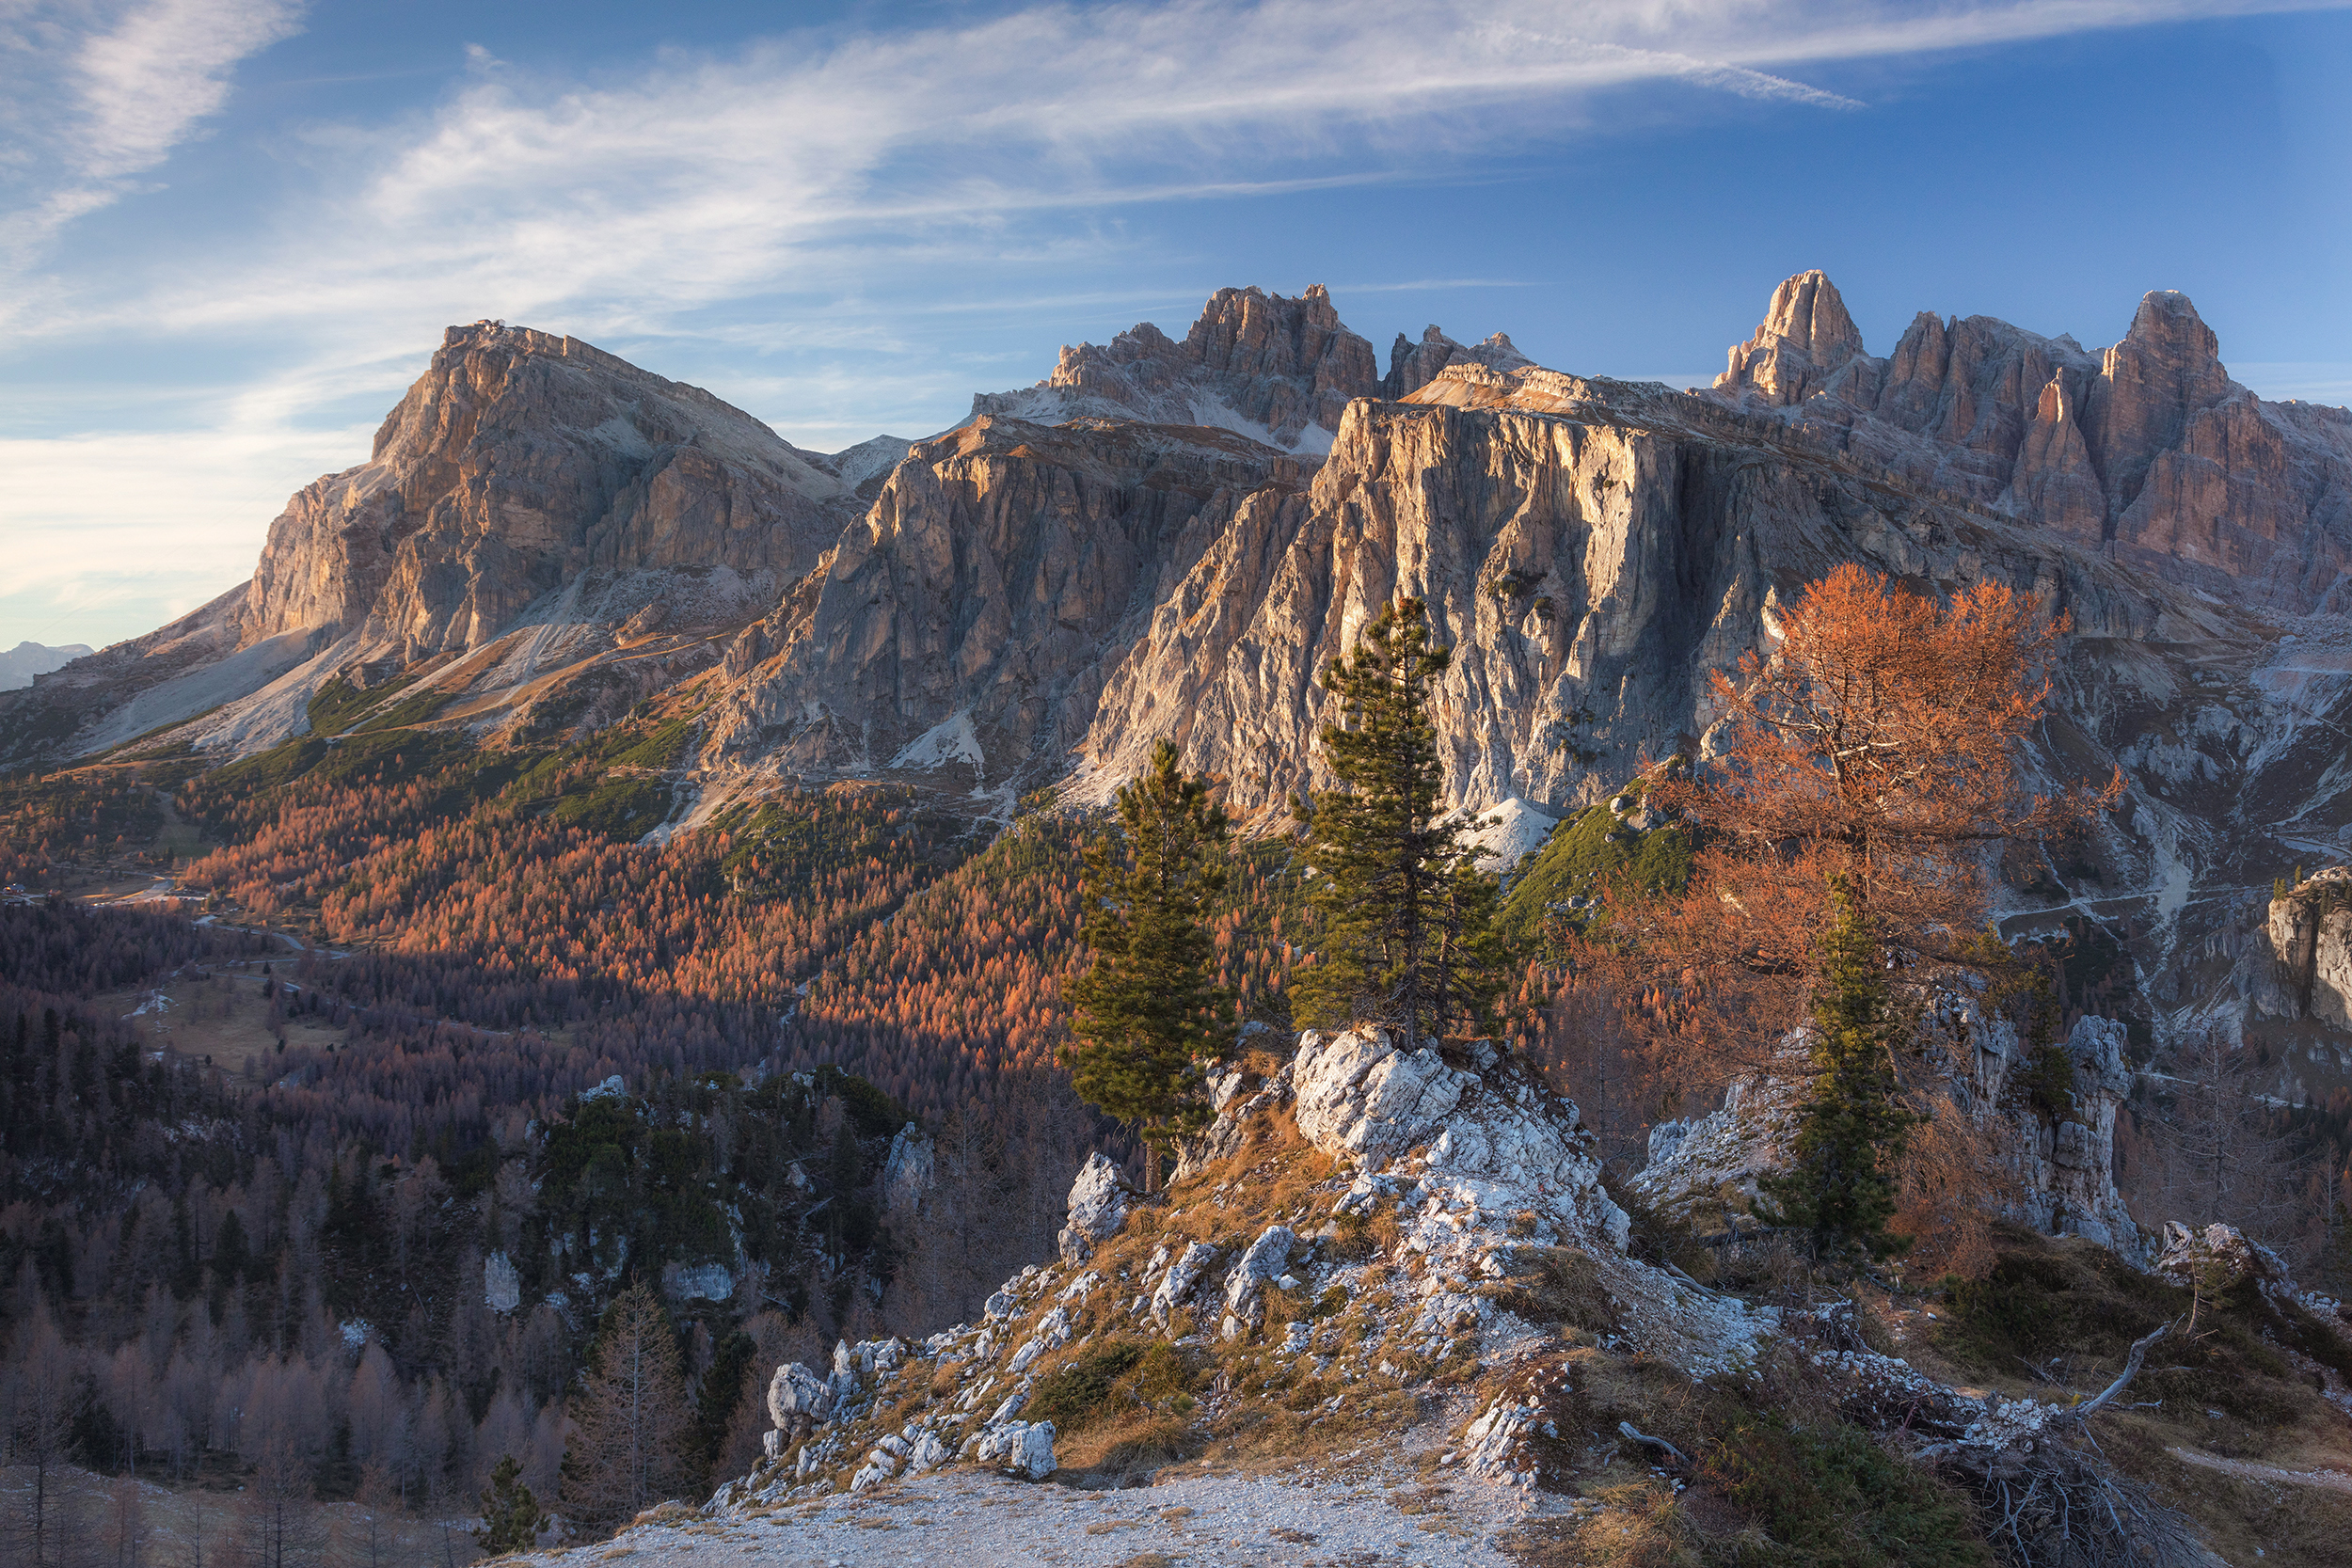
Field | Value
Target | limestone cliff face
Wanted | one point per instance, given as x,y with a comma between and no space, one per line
1589,550
2148,449
517,462
2309,932
1273,368
1706,1172
965,622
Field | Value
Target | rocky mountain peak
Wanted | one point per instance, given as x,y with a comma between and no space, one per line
1276,369
1413,366
2147,449
1805,339
522,459
2167,369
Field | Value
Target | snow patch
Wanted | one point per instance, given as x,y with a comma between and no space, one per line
952,739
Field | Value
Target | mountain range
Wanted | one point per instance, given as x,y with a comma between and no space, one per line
1172,537
20,664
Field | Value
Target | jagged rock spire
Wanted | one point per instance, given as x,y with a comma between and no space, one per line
1805,339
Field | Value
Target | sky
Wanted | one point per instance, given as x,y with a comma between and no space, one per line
231,232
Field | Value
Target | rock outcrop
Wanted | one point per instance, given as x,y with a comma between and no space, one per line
1276,369
2309,931
1098,1205
1489,1176
909,1172
2219,1258
1440,1259
1413,366
2147,449
1705,1172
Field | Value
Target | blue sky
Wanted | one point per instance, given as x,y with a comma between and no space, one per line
232,230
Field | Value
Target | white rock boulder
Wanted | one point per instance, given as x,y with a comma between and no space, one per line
797,1395
909,1172
1176,1285
1098,1206
1263,1260
1021,1448
1356,1093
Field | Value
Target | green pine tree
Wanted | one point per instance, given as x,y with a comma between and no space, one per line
1841,1183
1148,1010
1406,921
511,1517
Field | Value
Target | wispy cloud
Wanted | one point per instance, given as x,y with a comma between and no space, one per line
812,163
809,161
146,83
103,96
800,190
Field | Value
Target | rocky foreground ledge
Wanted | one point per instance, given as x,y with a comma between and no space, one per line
1386,1312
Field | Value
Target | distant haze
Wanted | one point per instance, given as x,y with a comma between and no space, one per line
20,664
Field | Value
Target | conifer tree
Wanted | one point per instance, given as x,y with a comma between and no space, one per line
1147,1012
630,1416
1841,1183
511,1517
1407,920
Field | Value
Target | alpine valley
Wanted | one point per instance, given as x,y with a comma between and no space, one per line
606,846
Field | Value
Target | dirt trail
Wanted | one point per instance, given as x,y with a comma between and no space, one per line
2245,1469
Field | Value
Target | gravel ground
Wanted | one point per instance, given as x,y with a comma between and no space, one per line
1373,1517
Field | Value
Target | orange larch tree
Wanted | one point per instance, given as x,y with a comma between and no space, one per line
1879,744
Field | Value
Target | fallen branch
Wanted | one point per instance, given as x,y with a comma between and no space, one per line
1660,1443
2131,1369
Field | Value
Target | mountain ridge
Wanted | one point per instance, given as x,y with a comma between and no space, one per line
1016,604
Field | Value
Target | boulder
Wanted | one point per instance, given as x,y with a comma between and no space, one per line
1356,1093
1182,1273
1020,1448
2219,1257
906,1174
502,1286
1262,1260
1052,1330
798,1398
1098,1205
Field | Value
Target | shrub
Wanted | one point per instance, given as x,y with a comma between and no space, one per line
1830,1496
1557,1285
1110,1379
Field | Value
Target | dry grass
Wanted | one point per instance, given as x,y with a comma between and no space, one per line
1641,1526
1556,1285
1130,1447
